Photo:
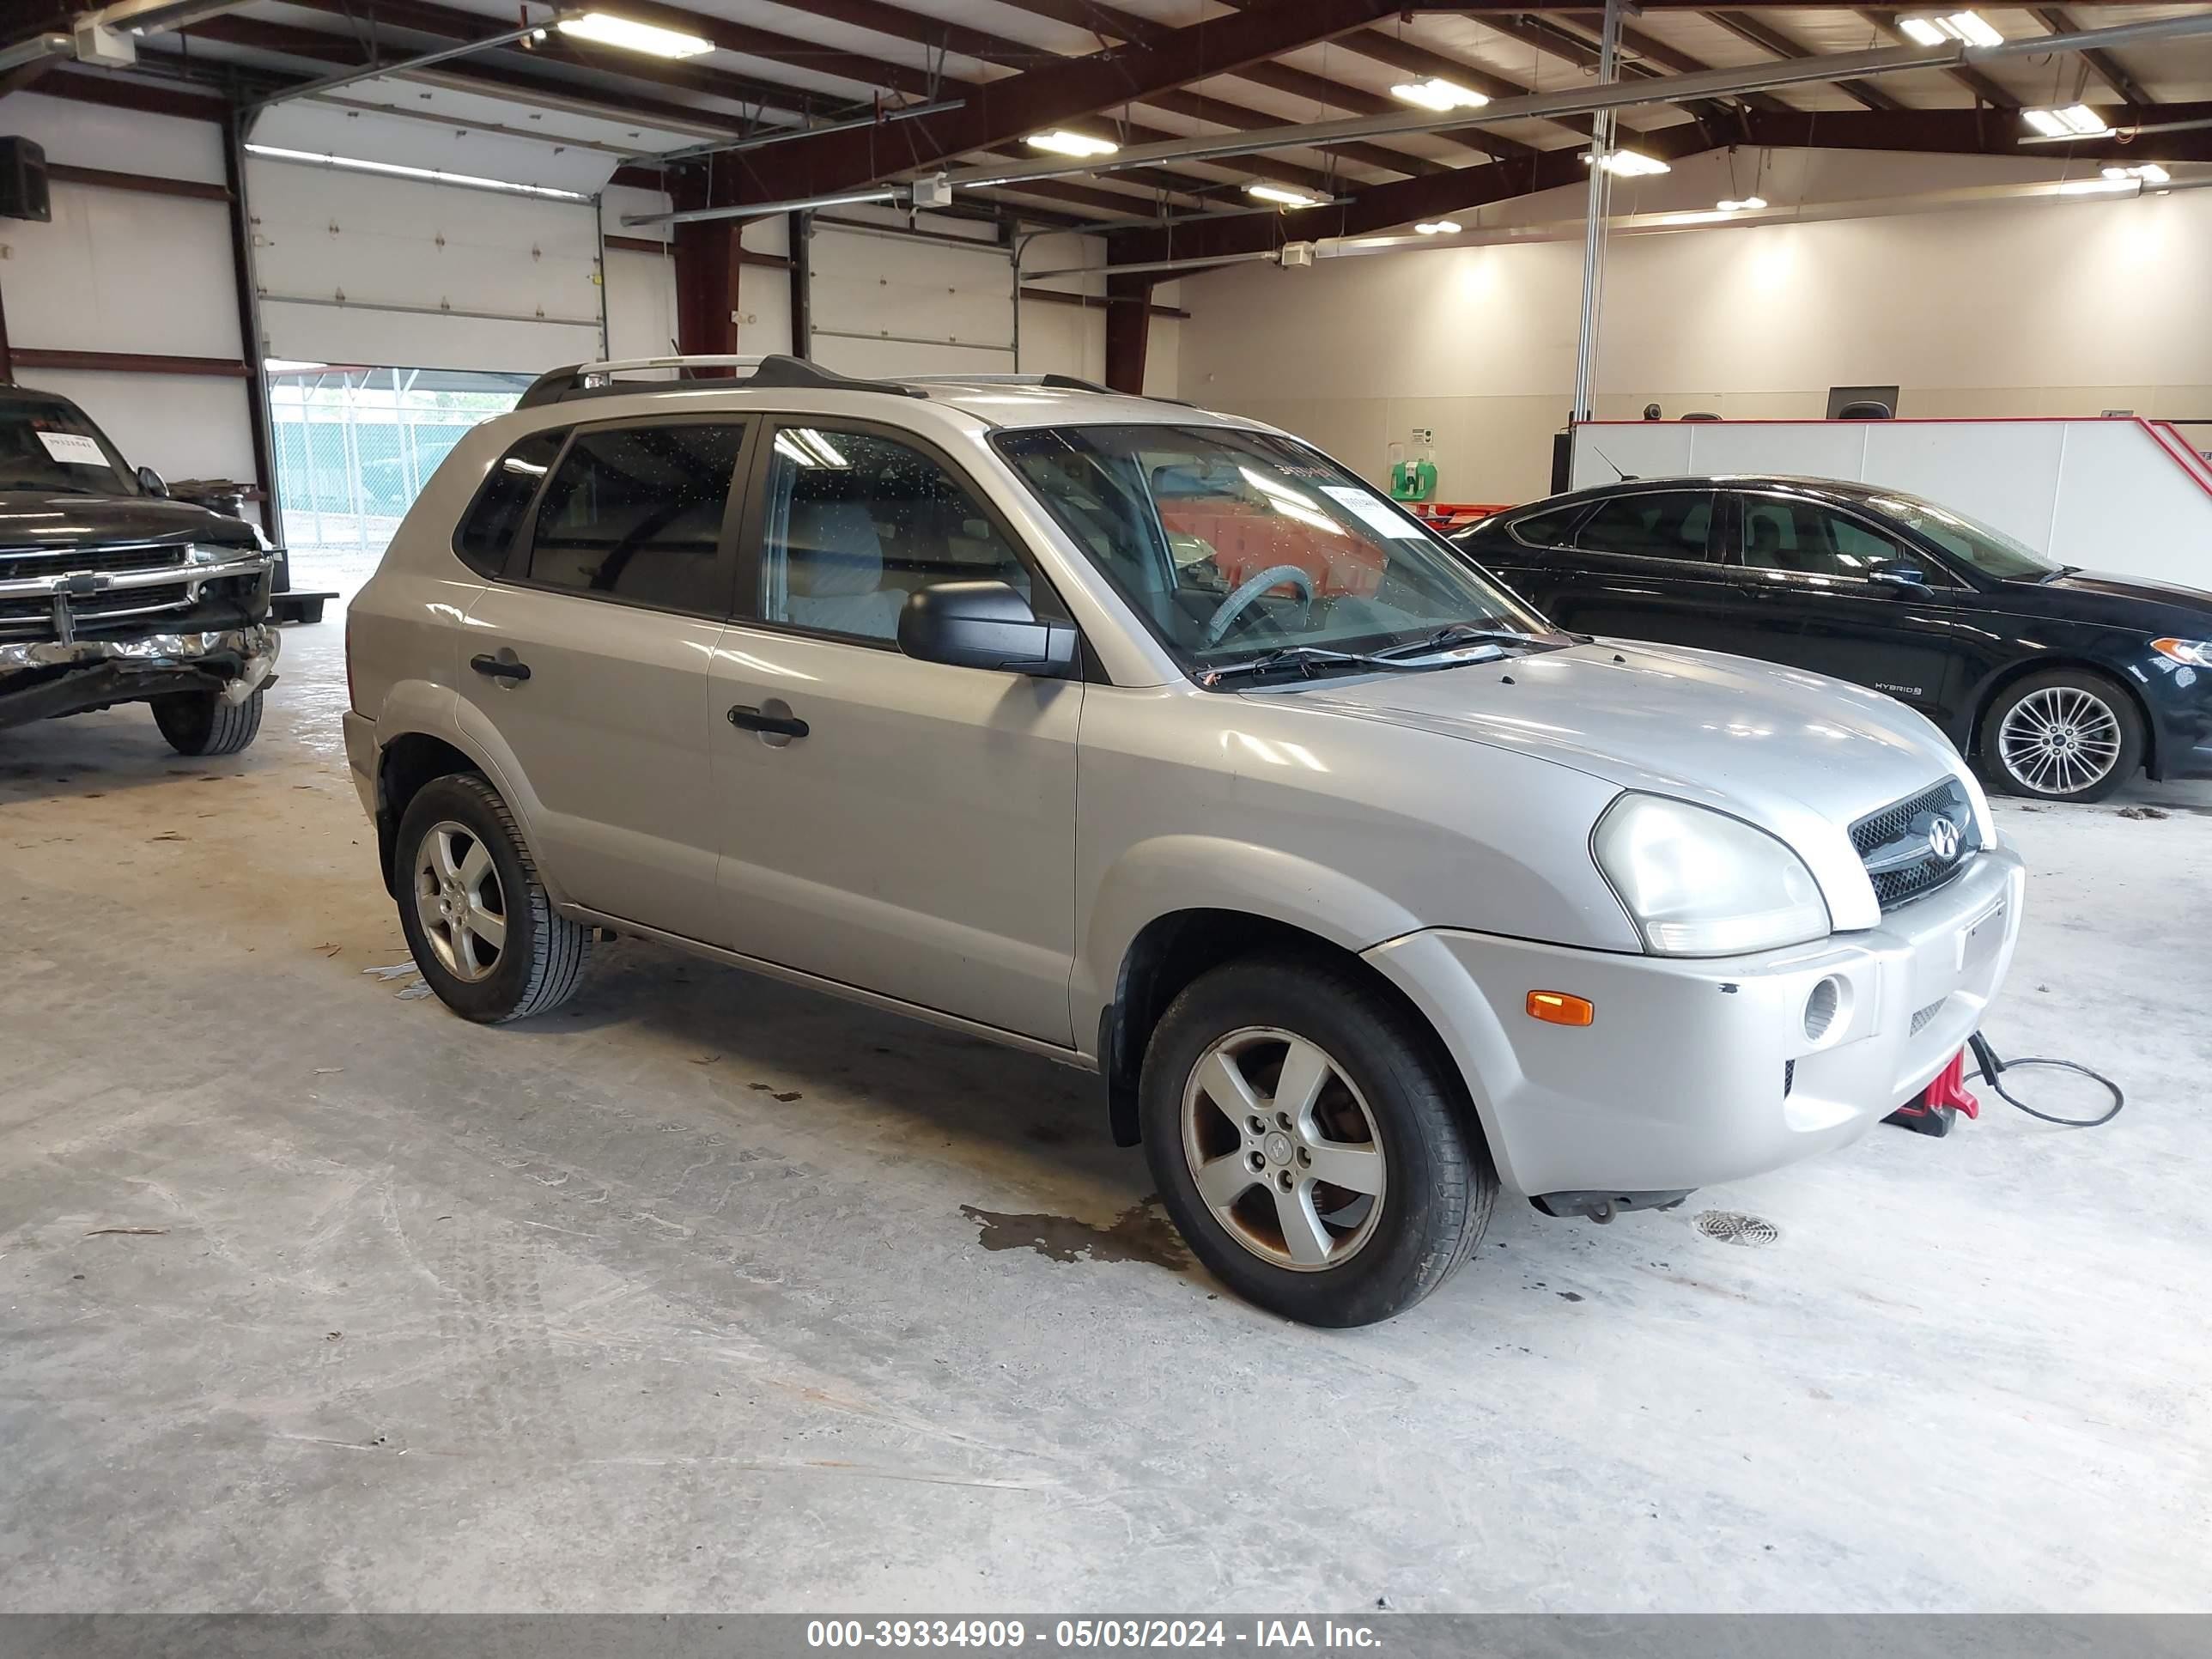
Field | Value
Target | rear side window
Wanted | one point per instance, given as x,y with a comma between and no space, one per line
1673,526
1552,529
635,514
488,528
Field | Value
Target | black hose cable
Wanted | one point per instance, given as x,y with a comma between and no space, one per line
1993,1067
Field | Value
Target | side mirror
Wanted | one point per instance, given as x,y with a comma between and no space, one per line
1906,577
151,482
985,625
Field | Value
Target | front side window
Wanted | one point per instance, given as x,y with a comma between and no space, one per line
50,446
1808,539
1989,549
1231,543
855,522
487,530
635,514
1674,525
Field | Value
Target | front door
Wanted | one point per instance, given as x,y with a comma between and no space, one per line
905,827
612,603
1816,566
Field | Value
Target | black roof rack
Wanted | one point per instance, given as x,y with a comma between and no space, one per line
588,380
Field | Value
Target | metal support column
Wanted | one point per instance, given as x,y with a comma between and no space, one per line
1601,202
798,238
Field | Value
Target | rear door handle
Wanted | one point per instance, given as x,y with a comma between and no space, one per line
500,669
746,718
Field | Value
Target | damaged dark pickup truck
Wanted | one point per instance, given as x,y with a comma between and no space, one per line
111,592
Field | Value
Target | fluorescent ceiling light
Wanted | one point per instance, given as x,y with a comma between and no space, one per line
1289,198
630,35
2148,171
1933,28
1631,164
290,365
1749,204
1439,95
2095,186
1071,144
393,169
1438,227
2071,121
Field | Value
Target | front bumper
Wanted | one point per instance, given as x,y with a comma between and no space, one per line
1699,1071
44,678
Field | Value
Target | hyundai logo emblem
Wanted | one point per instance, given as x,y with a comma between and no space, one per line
1943,839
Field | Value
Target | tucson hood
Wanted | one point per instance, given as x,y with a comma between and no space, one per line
1800,756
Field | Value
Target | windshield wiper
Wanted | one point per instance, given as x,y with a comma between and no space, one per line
1459,633
1306,659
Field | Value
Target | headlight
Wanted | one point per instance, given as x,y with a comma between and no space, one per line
2197,653
1700,884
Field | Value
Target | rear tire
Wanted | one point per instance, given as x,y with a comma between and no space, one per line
1324,1074
2063,734
477,919
207,723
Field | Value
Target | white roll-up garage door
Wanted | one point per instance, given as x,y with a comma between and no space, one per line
885,301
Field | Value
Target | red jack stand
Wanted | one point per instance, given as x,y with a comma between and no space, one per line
1931,1110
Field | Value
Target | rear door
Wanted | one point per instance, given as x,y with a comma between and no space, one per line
1645,565
1814,564
613,600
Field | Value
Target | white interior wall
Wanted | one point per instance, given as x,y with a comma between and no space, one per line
126,271
2069,306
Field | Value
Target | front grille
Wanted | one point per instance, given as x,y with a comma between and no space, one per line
34,618
54,562
1896,847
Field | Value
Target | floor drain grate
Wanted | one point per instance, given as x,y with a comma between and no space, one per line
1734,1227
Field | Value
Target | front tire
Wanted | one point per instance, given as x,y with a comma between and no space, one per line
207,723
1311,1142
2065,734
477,919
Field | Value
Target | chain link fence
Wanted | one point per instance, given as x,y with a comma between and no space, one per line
354,448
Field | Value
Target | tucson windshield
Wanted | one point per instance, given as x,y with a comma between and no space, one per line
1989,550
50,446
1246,550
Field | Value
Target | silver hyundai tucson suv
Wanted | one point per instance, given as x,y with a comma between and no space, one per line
1154,741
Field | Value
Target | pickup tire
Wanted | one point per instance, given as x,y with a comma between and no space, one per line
477,919
207,723
1264,1078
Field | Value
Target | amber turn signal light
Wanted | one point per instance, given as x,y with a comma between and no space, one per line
1558,1008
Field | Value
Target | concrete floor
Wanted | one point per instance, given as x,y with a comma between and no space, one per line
709,1294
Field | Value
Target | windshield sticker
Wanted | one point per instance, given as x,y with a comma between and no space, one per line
1374,513
73,447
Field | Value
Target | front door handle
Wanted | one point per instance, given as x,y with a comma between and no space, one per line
500,668
776,720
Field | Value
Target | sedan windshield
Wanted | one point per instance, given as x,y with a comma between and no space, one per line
1988,550
1237,546
49,447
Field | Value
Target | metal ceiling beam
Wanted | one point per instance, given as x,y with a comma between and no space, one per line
1660,89
1653,50
2055,19
375,70
1763,36
1548,35
1006,110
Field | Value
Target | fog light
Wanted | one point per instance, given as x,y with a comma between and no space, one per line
1560,1008
1822,1007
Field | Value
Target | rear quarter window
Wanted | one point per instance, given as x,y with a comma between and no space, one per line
1553,529
487,530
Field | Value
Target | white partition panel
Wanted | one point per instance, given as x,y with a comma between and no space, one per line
2108,494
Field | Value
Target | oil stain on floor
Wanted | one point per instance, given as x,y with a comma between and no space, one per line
1140,1233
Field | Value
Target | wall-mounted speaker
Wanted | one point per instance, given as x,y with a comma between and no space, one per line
23,181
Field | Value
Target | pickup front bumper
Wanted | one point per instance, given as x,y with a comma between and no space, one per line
1696,1070
41,679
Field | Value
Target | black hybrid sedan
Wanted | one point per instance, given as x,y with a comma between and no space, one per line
2061,684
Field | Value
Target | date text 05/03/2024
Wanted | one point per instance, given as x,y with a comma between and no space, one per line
1084,1634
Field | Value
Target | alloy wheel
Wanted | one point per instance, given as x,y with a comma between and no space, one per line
2059,740
458,901
1283,1150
